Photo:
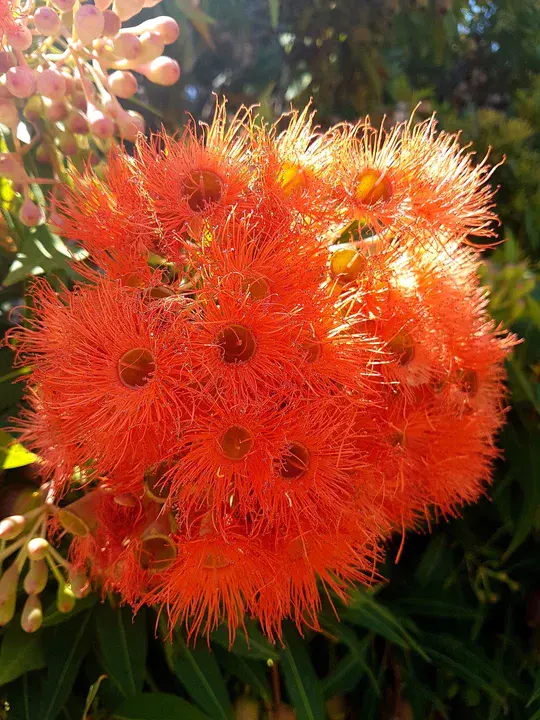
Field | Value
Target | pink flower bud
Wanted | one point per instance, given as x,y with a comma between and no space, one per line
76,123
7,60
21,81
36,577
56,223
166,27
51,84
103,4
162,71
89,23
123,84
47,21
68,144
37,547
11,527
130,124
127,46
100,125
7,609
65,599
151,3
54,110
9,582
112,23
43,155
12,168
20,38
34,109
126,9
78,100
152,47
80,585
64,5
9,115
70,81
32,614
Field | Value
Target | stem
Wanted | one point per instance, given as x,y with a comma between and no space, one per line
16,373
276,690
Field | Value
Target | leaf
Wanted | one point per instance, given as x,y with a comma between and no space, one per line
158,706
92,694
252,674
300,677
536,691
53,616
434,607
67,645
123,642
344,677
273,6
199,673
20,653
23,696
200,20
530,483
254,646
13,454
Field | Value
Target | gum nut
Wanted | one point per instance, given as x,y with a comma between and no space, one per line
103,4
123,84
68,145
32,614
31,215
34,108
19,39
165,26
126,9
8,582
37,547
76,122
55,111
7,60
11,527
43,155
21,81
7,609
51,84
47,21
9,115
101,126
12,168
112,23
36,577
161,71
127,46
78,100
64,5
89,23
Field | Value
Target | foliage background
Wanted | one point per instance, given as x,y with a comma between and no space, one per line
454,631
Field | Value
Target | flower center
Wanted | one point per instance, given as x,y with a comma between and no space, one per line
236,442
373,186
294,463
236,343
402,345
258,288
154,484
346,264
312,349
135,367
468,381
202,188
160,292
158,552
215,561
292,176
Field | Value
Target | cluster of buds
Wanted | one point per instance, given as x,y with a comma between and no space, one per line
26,555
66,65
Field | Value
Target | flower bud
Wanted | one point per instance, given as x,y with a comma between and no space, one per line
34,108
9,115
31,215
127,46
12,168
65,599
36,577
126,9
32,614
67,144
79,582
76,123
151,3
44,155
51,84
9,582
166,27
103,4
20,38
70,82
7,609
54,110
7,61
89,23
122,83
12,527
100,125
47,21
78,100
37,548
56,223
21,81
112,23
161,71
64,5
152,47
130,124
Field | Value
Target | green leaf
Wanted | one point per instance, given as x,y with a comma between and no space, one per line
254,646
251,673
199,673
158,706
123,642
20,653
273,6
53,616
23,696
92,694
13,454
344,677
67,645
300,677
434,607
536,691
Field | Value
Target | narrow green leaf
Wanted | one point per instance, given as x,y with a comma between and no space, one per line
199,673
250,672
300,677
158,706
274,12
92,694
254,646
66,645
19,653
434,607
23,696
344,677
13,454
346,635
123,642
536,691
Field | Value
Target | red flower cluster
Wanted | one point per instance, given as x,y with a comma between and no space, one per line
282,356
